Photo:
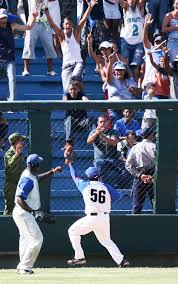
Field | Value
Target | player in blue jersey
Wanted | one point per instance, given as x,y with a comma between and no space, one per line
97,198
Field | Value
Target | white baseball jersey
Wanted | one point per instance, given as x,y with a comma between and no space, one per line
96,197
132,28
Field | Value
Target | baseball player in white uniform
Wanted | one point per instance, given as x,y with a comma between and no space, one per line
27,204
97,197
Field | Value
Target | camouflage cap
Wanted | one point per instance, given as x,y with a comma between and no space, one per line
14,137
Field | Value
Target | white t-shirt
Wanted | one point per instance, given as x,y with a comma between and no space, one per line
132,29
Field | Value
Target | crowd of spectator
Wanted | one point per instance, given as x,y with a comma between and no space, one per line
134,44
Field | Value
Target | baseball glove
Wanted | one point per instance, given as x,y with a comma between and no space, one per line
69,155
44,217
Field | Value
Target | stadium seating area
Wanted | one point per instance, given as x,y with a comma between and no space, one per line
65,197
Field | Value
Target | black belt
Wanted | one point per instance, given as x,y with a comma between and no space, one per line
109,2
95,214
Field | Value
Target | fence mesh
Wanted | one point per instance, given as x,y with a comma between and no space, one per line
110,158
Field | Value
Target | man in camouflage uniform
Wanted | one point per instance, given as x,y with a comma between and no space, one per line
14,166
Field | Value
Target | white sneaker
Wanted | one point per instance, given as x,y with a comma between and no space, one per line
25,73
52,73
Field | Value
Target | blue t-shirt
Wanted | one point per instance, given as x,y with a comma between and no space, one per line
123,127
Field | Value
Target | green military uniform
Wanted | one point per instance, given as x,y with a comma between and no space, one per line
14,166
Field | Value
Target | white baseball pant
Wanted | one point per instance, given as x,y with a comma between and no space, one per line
100,225
31,238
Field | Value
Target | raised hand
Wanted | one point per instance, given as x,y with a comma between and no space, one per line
89,38
35,15
112,57
148,19
92,3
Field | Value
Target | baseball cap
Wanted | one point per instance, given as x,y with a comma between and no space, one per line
91,172
176,58
150,85
159,38
3,13
14,137
34,159
119,65
105,44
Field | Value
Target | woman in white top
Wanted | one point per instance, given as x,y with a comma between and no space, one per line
120,85
132,33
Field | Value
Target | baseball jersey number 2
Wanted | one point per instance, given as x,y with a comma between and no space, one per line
98,196
135,30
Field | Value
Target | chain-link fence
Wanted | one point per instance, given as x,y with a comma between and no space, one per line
110,140
108,152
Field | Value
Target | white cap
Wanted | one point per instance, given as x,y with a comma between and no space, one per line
105,44
176,58
3,13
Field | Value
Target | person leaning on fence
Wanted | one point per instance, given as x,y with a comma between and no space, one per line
76,119
7,49
106,157
97,198
14,165
70,44
26,211
141,164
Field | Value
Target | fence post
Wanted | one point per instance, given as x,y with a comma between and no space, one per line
166,162
40,131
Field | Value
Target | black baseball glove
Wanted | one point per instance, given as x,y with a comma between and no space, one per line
44,217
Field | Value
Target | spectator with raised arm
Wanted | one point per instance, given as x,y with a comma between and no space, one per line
7,49
106,157
41,30
148,71
163,71
132,34
70,44
158,9
170,26
120,85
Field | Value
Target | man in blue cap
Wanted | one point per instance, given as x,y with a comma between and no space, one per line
97,198
27,205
